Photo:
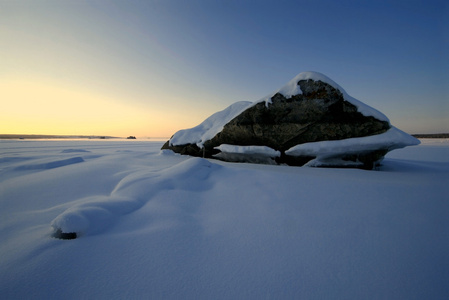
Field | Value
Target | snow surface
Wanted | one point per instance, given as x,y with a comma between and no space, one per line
264,150
157,225
250,154
215,123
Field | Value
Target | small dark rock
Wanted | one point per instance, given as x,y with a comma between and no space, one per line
64,235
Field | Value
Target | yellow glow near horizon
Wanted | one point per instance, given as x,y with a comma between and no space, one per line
38,107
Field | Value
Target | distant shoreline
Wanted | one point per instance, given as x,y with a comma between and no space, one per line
44,136
50,136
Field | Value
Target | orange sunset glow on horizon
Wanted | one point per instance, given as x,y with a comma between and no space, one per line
152,68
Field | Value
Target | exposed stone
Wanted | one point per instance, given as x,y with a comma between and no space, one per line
319,112
64,235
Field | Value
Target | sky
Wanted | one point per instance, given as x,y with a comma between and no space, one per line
151,68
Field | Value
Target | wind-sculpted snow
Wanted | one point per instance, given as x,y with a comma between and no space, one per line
74,151
157,225
95,214
51,164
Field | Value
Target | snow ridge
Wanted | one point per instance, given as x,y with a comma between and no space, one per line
263,150
95,214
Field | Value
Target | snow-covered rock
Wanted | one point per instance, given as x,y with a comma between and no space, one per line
209,127
311,120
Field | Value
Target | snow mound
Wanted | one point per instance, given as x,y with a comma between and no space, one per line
95,214
250,154
263,150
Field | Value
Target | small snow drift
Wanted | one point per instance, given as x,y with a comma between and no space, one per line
74,151
95,214
51,164
251,154
310,121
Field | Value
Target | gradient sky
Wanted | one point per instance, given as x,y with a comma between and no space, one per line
150,68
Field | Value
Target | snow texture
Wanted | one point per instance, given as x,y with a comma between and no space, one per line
250,154
156,225
96,213
263,150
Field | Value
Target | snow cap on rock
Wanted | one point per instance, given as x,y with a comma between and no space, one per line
292,88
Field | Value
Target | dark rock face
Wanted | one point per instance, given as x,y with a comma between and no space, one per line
189,149
64,235
320,113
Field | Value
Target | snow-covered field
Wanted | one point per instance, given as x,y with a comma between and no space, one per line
155,225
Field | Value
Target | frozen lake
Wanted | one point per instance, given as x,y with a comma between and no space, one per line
156,225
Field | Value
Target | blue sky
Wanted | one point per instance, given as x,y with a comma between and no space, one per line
149,68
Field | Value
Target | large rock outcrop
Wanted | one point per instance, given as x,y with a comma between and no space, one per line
311,120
